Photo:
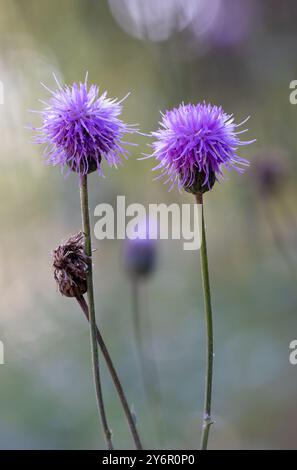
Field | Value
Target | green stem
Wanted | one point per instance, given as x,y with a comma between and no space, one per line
207,420
136,315
114,376
93,337
149,373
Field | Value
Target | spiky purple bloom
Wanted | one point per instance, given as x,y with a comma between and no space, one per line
80,127
193,145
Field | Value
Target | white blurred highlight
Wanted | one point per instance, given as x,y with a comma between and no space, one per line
147,229
214,23
22,68
157,20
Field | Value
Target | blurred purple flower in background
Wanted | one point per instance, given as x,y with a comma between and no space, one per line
207,24
224,23
140,257
80,127
140,253
233,22
193,144
271,171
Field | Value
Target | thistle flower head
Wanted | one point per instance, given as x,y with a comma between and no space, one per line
193,145
70,265
81,127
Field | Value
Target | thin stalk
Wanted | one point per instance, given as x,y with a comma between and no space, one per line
149,373
279,240
93,337
207,420
114,376
154,372
136,312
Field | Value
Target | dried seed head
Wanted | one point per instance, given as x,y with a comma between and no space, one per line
70,265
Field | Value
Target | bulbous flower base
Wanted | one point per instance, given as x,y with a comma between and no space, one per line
85,167
197,185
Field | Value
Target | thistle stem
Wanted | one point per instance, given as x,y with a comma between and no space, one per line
114,376
90,292
207,420
149,371
136,315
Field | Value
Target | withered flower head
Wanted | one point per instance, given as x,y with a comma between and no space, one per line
70,265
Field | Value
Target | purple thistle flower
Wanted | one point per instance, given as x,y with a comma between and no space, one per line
140,253
193,145
80,127
271,171
139,257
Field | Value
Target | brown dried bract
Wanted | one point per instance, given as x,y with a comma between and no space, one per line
70,265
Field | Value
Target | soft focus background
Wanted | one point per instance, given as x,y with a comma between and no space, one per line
241,54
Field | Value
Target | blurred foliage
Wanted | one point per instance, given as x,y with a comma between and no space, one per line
46,390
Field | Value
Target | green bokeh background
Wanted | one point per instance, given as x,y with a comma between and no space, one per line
46,391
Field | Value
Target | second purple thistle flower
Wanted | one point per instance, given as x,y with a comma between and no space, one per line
81,127
194,143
